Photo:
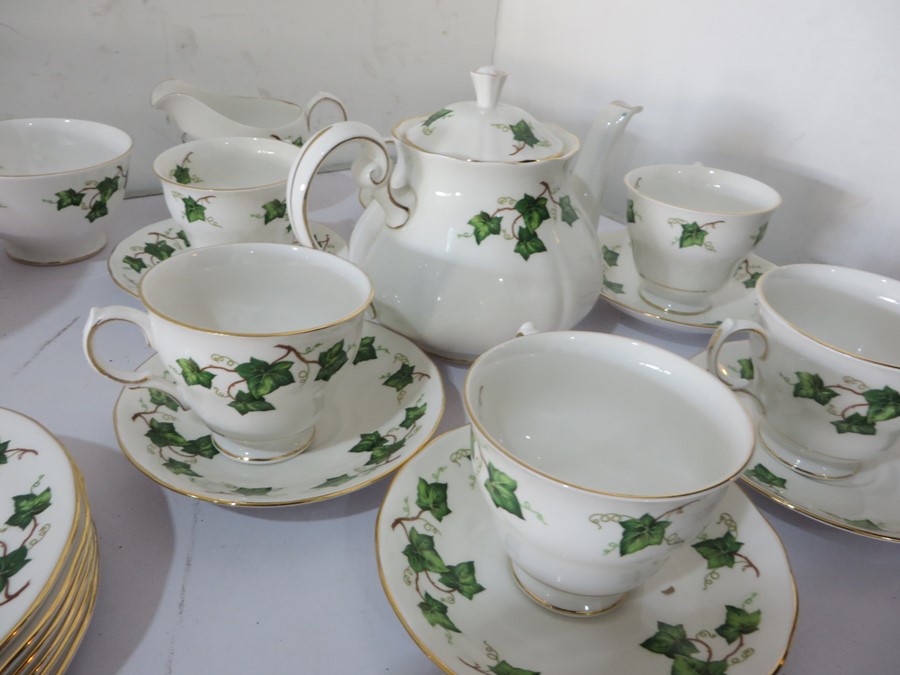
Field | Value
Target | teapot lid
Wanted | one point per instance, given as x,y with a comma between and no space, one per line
485,130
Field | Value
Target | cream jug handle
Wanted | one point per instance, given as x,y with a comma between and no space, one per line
317,100
140,378
371,169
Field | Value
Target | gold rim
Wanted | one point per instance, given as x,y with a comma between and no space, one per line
558,481
348,317
562,610
288,502
56,263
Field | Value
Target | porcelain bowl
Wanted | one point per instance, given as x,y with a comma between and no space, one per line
61,181
228,190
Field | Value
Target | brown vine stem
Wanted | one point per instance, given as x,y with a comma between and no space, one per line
678,509
845,388
291,350
518,149
449,591
9,597
407,519
160,235
739,647
705,645
851,407
712,224
143,414
21,452
748,564
474,666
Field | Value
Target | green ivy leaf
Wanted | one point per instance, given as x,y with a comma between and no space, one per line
523,133
181,234
855,424
335,481
641,533
738,622
253,491
297,141
884,404
136,264
502,490
164,434
331,361
421,554
402,378
193,210
766,477
567,212
180,468
811,386
11,564
263,377
614,286
629,211
162,399
434,117
610,257
98,210
461,578
68,197
159,250
245,402
369,442
691,235
181,174
3,448
485,225
534,211
413,415
27,507
107,187
433,497
383,453
202,446
718,552
670,640
746,368
193,375
366,350
750,282
277,208
762,233
529,243
435,613
687,665
503,668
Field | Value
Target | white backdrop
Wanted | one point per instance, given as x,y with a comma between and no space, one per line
803,95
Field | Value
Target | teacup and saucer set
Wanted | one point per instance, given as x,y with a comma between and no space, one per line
820,374
488,537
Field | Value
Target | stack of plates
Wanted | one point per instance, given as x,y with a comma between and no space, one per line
48,550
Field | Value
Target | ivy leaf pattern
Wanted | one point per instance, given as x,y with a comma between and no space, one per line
98,210
639,533
766,477
67,198
738,622
180,468
136,264
253,491
811,386
691,235
461,578
614,286
529,243
273,210
202,446
163,400
533,211
746,369
421,554
670,641
194,211
181,174
11,564
435,116
335,481
750,282
884,404
502,491
523,133
26,507
718,552
485,225
331,361
629,211
193,375
568,214
433,497
245,402
366,350
106,188
412,415
687,665
164,435
263,378
402,378
4,446
160,250
435,612
855,424
610,257
504,668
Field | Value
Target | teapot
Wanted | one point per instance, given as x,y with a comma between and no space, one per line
202,114
485,221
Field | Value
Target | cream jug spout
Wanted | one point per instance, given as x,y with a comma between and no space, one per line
592,165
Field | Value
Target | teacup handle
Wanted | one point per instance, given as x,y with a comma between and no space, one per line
727,329
318,99
371,170
135,378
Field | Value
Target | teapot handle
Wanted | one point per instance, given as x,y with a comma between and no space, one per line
371,169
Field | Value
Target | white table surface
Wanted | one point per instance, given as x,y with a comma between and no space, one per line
188,587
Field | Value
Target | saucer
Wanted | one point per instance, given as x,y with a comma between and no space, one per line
378,414
141,250
737,300
867,503
727,603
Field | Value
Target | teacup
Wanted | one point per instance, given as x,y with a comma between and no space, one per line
61,181
598,456
690,227
825,366
228,190
250,335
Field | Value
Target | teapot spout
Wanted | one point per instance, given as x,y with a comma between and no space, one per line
592,166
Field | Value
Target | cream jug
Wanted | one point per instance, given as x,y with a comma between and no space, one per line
485,222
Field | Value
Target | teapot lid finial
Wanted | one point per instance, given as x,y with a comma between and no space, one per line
488,82
484,130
